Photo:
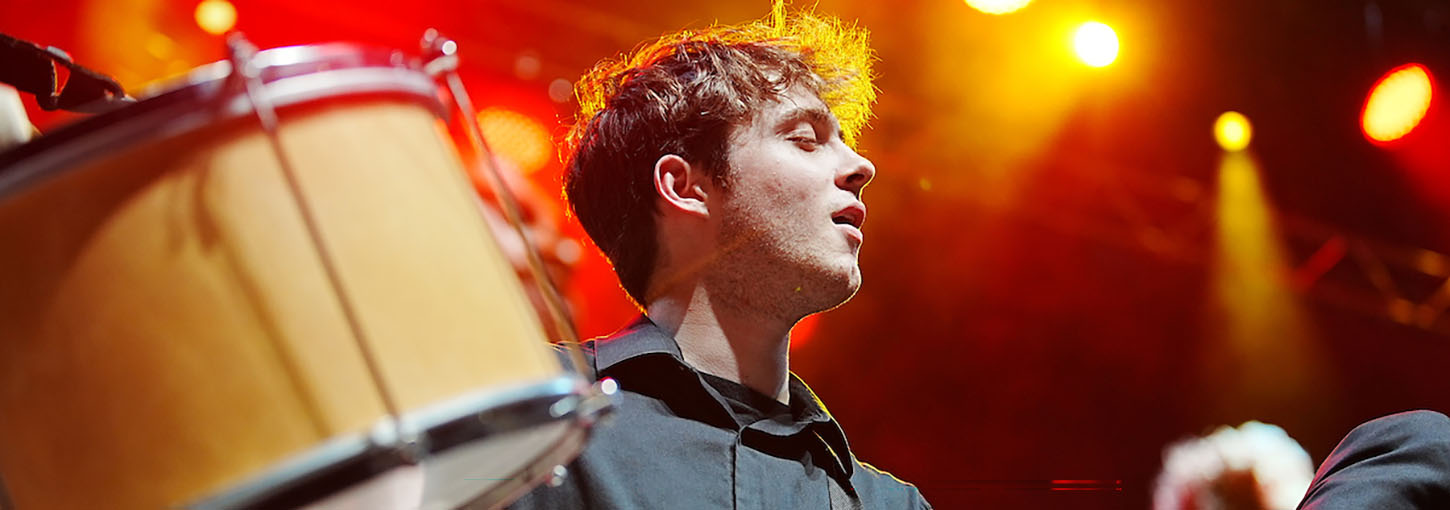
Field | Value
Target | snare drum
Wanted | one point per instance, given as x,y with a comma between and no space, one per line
171,334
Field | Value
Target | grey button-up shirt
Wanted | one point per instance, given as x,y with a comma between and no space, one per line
673,443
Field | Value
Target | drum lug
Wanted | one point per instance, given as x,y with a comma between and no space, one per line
440,54
600,402
412,448
590,405
556,477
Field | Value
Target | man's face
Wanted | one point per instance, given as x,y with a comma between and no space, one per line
789,220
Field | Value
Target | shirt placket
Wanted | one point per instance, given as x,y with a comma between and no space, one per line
744,497
753,480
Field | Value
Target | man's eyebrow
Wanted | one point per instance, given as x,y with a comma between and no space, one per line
814,116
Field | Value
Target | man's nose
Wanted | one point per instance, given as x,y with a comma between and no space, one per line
856,173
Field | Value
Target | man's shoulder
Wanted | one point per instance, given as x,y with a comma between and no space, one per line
586,347
880,489
1400,461
637,338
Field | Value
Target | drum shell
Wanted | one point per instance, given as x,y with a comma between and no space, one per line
170,330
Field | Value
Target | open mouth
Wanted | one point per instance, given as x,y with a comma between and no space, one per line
854,215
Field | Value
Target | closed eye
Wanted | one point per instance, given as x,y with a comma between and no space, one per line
806,143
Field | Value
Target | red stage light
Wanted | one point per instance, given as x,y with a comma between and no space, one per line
1397,103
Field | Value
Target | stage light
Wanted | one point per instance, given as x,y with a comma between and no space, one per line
1397,103
516,137
1096,44
561,90
1233,131
998,6
1264,331
216,16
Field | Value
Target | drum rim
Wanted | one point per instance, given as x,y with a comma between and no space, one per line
292,76
345,461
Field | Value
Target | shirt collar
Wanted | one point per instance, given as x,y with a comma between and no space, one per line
639,338
643,339
808,409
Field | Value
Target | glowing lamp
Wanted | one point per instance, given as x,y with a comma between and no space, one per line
216,16
516,137
998,6
1397,103
1096,44
1233,131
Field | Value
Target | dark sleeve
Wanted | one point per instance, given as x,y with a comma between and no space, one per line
1398,462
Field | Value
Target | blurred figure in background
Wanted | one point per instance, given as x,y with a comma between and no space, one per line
1256,466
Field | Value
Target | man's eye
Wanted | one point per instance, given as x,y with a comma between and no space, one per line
806,142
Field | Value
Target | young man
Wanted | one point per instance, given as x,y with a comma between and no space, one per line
715,170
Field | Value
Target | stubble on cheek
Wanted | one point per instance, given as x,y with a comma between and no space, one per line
774,262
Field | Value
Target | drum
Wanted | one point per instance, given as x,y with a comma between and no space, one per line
196,317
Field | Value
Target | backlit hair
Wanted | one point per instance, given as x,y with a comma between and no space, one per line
683,94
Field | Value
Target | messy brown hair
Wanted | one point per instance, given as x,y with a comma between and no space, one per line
683,94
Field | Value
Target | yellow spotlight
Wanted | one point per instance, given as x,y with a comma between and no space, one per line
216,16
1397,103
998,6
1233,131
1264,351
1096,44
516,137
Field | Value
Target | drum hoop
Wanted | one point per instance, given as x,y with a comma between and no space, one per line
292,76
348,460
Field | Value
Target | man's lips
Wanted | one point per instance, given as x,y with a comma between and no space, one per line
853,215
852,232
849,219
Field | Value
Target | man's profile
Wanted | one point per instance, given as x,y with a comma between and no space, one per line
716,170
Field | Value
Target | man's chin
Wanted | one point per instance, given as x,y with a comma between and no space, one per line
842,292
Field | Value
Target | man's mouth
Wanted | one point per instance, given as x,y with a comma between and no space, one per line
853,215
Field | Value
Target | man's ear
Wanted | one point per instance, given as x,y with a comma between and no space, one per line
683,186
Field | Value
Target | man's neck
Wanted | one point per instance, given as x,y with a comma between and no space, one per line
727,342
